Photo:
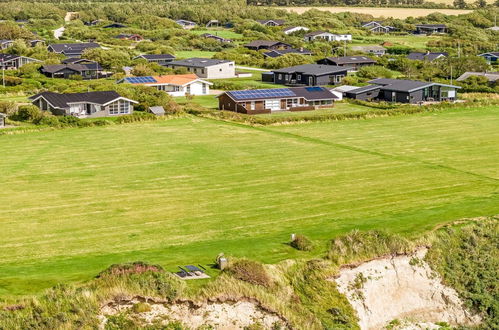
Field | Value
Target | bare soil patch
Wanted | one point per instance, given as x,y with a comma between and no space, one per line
401,288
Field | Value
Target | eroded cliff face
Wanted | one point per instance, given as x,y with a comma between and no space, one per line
403,292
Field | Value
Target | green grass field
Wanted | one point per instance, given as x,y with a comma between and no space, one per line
411,40
194,53
180,191
228,34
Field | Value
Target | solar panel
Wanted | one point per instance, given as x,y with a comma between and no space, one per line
313,89
140,80
263,93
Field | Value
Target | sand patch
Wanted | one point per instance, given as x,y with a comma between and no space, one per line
402,288
220,315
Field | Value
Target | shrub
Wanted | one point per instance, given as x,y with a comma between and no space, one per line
8,107
250,271
302,243
136,267
362,245
136,117
27,113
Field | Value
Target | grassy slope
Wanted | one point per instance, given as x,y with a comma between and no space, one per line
220,32
178,192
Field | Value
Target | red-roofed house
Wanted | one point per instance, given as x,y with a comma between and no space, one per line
175,85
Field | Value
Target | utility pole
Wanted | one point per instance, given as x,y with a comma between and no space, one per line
3,74
459,49
344,47
451,74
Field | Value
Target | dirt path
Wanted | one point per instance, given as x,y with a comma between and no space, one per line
402,288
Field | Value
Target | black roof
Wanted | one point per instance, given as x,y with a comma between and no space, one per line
280,52
115,25
71,66
75,60
62,100
157,56
73,48
8,57
402,85
197,62
313,69
351,59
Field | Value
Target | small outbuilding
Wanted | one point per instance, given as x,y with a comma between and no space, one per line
157,110
2,119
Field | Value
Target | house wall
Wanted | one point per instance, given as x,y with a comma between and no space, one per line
309,80
2,121
219,71
366,96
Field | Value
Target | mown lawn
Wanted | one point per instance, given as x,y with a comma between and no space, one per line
178,192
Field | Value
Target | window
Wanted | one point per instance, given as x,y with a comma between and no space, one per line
204,88
124,107
176,88
279,76
298,77
188,89
113,108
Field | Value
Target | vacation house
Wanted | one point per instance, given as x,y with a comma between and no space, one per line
175,85
84,105
404,91
307,74
206,68
258,101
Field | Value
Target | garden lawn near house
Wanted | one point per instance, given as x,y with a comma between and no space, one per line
180,191
193,53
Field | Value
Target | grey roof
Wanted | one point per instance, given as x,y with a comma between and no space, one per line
313,69
266,43
8,57
73,48
212,36
491,76
316,33
74,67
314,93
402,85
156,56
6,41
364,89
280,52
493,28
265,21
62,100
197,62
157,110
185,22
344,88
351,60
429,56
294,27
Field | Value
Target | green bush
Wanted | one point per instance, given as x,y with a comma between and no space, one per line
250,271
363,245
27,113
136,117
302,243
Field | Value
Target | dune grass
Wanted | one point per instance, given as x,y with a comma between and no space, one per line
178,192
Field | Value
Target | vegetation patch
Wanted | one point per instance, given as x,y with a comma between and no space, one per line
467,258
302,243
250,271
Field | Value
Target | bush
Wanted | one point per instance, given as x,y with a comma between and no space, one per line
363,245
302,243
8,107
250,271
27,113
136,117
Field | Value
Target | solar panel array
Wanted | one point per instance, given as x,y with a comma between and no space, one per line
313,89
263,93
140,80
